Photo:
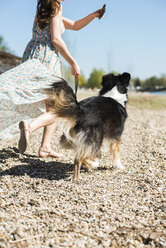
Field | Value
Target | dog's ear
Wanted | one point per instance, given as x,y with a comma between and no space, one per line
125,78
106,79
108,82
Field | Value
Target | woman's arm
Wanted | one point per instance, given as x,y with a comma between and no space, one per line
77,25
58,43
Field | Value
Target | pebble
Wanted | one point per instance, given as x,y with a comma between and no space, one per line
42,207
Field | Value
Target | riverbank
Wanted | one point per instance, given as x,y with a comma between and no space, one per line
42,207
147,101
140,100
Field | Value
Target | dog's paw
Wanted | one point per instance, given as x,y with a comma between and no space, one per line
118,165
94,164
90,165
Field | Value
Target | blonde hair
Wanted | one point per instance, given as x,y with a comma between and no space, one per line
46,9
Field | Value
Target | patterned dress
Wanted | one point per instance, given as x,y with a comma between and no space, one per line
21,89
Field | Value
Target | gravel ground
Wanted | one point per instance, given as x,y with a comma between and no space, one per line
40,205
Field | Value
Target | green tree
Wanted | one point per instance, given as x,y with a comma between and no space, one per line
82,81
95,79
136,82
150,83
162,81
3,46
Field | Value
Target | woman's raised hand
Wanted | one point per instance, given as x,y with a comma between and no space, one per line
100,12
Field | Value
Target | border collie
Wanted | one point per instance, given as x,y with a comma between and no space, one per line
93,121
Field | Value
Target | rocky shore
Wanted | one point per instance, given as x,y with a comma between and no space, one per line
40,205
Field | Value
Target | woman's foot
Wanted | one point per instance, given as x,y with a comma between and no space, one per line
24,136
44,153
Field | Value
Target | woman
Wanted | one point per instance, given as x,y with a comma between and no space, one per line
22,95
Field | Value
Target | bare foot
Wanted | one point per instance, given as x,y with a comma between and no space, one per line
49,153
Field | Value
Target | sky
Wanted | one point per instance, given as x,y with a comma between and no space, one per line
131,37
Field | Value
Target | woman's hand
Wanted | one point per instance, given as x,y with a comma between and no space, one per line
75,70
97,13
100,12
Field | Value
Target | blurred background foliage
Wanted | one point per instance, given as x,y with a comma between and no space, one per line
94,81
3,45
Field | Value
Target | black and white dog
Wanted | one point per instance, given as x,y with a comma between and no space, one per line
93,121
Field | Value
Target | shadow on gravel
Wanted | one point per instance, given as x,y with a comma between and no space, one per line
10,152
34,167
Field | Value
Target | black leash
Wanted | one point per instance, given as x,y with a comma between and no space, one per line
76,85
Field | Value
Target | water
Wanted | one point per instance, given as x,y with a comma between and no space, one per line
157,93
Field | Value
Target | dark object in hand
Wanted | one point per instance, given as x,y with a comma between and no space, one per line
102,11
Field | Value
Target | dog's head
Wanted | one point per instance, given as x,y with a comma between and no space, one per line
109,81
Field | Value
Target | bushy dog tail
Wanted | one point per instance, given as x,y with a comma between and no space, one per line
64,101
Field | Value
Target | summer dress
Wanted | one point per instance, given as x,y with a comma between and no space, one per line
21,89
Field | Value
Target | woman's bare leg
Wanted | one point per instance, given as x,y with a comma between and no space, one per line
26,129
46,120
48,133
46,149
42,120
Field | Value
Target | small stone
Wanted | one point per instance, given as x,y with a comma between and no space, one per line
154,235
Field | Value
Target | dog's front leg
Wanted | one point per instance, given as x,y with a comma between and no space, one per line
77,167
115,150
